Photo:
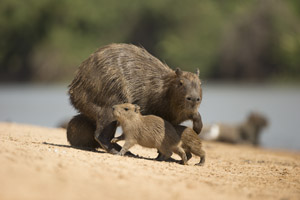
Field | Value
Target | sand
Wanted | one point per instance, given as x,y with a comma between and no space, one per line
38,163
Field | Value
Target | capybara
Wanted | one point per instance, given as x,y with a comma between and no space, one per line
124,73
191,143
148,131
246,132
88,127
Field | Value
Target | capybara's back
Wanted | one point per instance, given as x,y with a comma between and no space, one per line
120,73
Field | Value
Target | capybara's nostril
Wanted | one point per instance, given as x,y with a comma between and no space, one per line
113,107
189,98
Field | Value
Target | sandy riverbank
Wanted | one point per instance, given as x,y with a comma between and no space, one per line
38,163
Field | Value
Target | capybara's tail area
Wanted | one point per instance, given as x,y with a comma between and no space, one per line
80,132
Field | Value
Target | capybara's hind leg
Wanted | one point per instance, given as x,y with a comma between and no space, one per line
202,158
178,150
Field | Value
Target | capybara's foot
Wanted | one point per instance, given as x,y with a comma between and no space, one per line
160,157
202,161
183,162
113,151
120,153
128,153
199,164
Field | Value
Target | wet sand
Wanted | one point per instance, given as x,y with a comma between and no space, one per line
38,163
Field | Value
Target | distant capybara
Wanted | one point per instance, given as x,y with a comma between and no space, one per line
123,73
191,143
247,132
148,131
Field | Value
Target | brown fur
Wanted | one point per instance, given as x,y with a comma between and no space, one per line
191,143
251,129
122,73
148,131
87,126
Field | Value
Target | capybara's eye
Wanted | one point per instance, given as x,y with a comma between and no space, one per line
126,109
181,82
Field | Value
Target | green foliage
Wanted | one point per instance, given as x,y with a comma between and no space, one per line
45,40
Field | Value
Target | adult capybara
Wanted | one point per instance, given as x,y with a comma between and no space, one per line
123,73
148,131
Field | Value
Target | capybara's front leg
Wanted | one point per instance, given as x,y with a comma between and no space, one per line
197,123
160,157
128,144
105,137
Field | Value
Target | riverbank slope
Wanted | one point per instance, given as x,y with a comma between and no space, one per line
38,163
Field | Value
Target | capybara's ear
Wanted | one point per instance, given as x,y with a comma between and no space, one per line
178,72
137,108
198,72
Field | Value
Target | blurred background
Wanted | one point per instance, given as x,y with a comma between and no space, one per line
248,53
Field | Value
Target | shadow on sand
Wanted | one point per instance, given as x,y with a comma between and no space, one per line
128,154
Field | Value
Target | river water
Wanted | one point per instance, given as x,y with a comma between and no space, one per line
48,105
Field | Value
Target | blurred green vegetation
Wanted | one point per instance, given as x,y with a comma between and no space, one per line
45,40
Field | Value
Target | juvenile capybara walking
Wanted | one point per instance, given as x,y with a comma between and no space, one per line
148,131
191,143
123,73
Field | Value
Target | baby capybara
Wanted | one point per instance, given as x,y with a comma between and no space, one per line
148,131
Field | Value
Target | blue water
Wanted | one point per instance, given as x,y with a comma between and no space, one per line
48,105
42,105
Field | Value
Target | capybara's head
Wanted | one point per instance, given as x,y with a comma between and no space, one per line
187,89
126,111
258,120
